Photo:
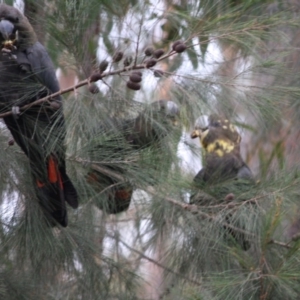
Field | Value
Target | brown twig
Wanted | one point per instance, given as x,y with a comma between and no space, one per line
138,41
192,208
285,245
133,67
102,170
87,81
253,199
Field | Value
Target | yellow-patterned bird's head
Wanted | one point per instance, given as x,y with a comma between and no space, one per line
219,137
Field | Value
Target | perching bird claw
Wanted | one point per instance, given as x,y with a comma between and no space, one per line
6,52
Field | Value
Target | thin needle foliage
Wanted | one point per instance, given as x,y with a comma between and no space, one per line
239,59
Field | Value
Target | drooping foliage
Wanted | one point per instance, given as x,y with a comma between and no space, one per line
239,59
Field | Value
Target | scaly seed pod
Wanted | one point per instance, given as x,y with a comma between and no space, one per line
229,197
158,53
176,44
11,142
150,62
95,77
149,51
55,104
134,77
133,85
180,48
127,61
158,73
93,88
103,66
117,56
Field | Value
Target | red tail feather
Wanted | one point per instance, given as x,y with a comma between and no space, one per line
53,173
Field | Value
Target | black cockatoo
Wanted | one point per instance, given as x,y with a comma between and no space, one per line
124,139
221,143
27,74
152,124
225,176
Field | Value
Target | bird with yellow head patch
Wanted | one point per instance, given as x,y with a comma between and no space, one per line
224,176
221,143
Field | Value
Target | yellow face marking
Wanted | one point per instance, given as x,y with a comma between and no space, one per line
219,152
220,147
226,121
227,146
225,127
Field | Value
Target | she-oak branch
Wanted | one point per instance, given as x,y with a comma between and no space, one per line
87,81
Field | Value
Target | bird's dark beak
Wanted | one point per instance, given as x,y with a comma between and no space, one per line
7,30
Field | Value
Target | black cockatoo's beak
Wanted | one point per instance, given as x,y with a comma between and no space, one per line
7,30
